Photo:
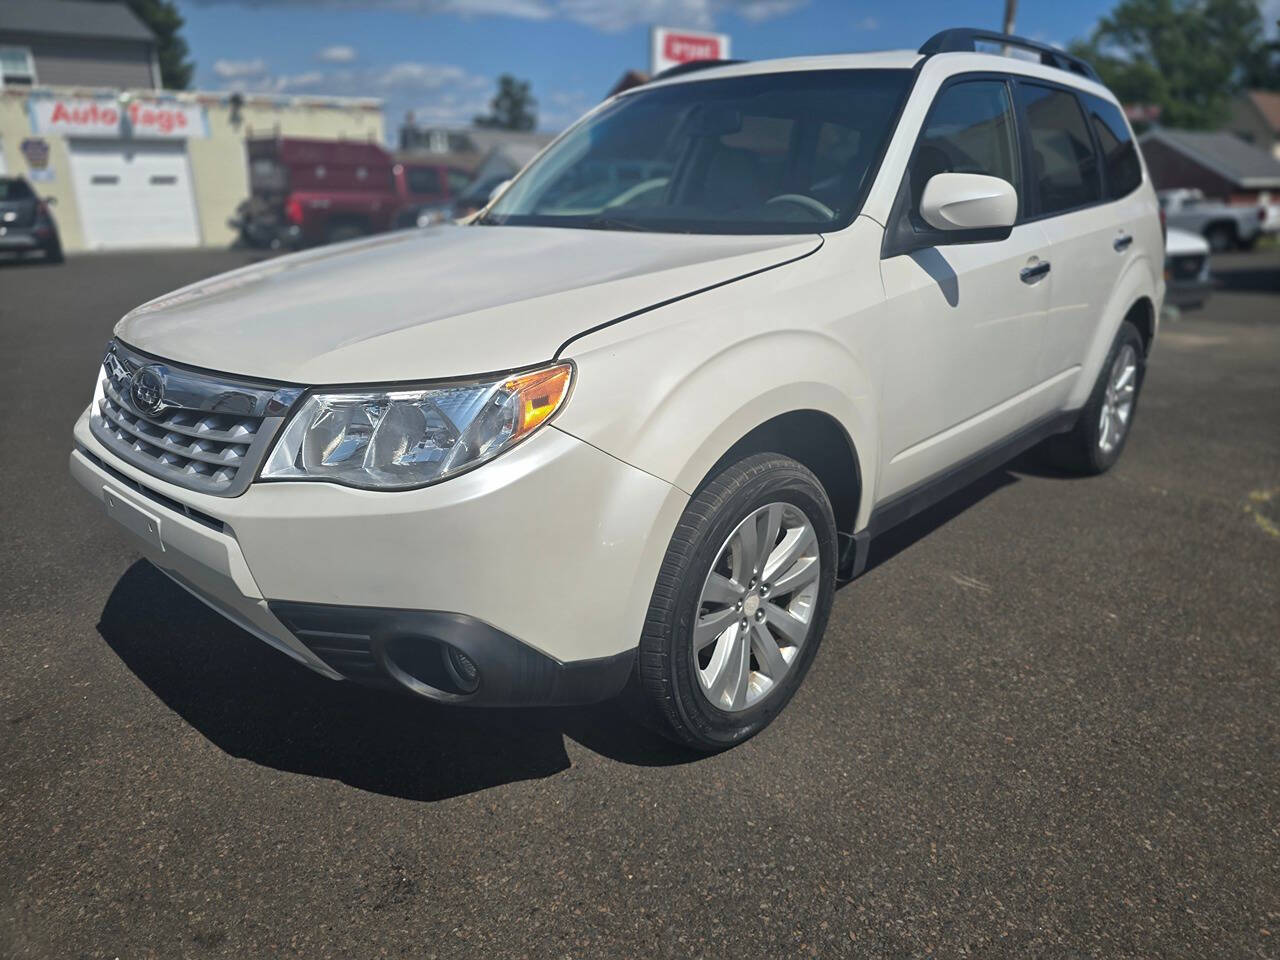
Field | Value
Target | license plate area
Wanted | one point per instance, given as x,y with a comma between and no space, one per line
142,523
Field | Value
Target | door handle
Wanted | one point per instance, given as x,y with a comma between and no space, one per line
1034,273
1122,242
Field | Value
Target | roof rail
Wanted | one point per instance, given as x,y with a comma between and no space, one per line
690,67
967,39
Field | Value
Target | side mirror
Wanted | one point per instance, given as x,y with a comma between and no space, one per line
968,201
493,194
954,208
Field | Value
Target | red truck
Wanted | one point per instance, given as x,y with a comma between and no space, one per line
308,192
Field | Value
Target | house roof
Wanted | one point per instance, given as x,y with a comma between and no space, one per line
1267,103
1225,154
73,18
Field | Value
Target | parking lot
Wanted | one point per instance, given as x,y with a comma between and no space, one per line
1044,723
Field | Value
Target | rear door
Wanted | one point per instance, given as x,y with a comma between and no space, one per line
966,321
1087,231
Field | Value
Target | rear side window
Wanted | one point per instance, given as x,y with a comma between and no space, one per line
14,190
422,179
1120,163
970,130
1064,171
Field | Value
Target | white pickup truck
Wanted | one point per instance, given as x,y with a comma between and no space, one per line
1226,227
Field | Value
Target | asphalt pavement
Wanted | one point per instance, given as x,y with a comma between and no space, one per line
1044,723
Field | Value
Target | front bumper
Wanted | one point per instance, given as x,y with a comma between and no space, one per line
25,238
539,566
1187,287
266,234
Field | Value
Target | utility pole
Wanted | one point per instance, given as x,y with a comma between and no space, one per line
1010,12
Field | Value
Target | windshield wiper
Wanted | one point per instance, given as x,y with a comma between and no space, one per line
613,223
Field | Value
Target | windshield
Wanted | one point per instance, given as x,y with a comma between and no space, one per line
766,153
14,189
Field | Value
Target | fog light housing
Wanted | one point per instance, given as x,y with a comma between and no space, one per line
462,669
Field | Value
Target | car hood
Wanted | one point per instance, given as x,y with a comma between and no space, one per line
437,303
1182,242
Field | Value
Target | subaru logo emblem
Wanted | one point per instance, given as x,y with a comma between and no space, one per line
146,390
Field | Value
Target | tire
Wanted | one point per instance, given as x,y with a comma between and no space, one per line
53,252
1221,237
670,674
1082,450
1247,243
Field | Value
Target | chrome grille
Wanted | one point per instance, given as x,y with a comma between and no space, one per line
205,431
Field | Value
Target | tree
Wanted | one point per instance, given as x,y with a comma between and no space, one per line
512,107
1186,57
171,50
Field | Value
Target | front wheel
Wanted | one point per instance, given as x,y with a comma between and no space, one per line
741,602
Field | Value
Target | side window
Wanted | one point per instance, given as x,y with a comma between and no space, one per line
1064,168
424,180
970,129
1120,160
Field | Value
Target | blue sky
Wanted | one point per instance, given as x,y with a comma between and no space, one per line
440,58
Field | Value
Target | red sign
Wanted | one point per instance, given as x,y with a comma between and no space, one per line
673,47
107,117
683,48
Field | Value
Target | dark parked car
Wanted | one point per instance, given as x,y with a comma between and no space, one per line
26,225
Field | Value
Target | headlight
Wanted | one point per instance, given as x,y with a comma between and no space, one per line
396,438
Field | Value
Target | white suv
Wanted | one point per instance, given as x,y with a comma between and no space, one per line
635,421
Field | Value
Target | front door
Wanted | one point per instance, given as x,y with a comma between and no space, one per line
966,321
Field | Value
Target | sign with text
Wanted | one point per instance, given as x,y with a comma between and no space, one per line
674,47
108,117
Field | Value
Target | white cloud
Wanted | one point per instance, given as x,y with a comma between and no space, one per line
299,82
611,16
437,92
239,69
337,54
605,15
418,76
867,23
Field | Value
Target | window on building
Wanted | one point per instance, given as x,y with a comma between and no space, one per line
1065,170
17,68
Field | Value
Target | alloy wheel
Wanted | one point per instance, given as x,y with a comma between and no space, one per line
1117,403
756,607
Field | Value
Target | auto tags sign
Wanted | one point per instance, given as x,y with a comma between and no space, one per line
670,48
109,117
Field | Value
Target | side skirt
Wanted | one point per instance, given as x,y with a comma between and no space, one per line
854,548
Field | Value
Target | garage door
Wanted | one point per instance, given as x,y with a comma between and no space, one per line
134,194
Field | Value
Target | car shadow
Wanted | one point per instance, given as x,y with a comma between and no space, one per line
256,704
1250,279
897,539
16,259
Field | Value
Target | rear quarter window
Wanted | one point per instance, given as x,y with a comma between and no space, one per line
1121,167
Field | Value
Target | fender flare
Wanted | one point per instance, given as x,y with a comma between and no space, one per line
852,405
1135,283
